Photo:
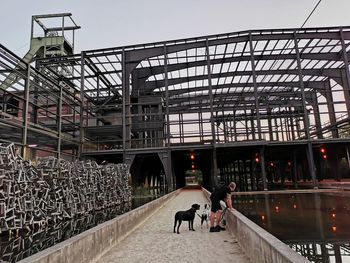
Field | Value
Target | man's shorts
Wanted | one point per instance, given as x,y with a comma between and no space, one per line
215,205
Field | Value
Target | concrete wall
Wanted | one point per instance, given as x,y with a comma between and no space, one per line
91,244
259,245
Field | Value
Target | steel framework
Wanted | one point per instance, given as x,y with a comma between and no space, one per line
259,87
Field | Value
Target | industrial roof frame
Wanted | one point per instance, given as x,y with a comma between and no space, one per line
249,88
273,85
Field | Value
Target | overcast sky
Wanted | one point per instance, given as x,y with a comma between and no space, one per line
110,23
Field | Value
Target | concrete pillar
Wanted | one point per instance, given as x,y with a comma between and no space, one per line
128,159
165,158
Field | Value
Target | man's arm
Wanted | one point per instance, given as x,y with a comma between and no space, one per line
229,201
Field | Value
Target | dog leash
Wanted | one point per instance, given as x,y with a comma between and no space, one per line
199,215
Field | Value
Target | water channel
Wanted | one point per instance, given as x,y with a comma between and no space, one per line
316,225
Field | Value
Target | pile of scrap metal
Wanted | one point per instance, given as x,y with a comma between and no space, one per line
55,190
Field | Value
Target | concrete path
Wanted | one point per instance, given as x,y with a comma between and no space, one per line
154,240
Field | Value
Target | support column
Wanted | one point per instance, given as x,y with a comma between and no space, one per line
337,254
234,126
129,159
310,155
246,124
331,110
287,125
165,158
252,124
81,112
256,95
291,120
25,149
126,103
211,99
316,115
167,125
181,128
282,130
346,87
269,123
276,127
262,163
59,126
224,120
210,93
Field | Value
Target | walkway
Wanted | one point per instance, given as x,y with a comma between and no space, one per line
154,240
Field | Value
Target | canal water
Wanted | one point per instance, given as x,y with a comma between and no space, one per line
16,247
316,225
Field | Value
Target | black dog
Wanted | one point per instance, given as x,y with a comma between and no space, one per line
186,216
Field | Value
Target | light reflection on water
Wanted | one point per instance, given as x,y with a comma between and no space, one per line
316,225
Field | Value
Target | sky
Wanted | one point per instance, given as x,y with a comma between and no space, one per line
114,23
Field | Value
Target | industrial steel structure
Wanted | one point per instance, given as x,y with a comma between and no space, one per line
258,107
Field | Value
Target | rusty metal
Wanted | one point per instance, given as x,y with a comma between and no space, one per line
32,197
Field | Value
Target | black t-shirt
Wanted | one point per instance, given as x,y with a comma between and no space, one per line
221,193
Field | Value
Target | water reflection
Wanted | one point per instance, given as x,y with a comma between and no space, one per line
21,245
315,225
141,200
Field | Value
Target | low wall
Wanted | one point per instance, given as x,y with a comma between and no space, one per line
259,245
93,243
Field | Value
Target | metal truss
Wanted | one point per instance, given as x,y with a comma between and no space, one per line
37,112
287,86
272,85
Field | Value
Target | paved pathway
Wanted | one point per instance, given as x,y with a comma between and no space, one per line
154,240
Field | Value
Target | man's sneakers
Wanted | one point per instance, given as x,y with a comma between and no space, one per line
214,229
221,228
217,229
